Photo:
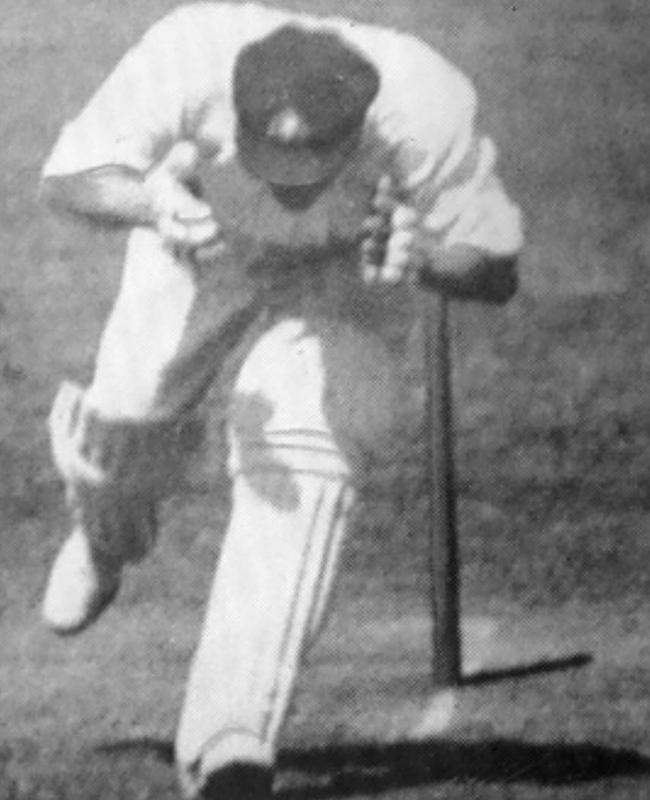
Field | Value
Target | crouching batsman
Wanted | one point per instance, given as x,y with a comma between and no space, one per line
279,173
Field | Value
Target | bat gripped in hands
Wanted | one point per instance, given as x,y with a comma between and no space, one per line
389,253
183,219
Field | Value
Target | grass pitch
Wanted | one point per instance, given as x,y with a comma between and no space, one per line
553,435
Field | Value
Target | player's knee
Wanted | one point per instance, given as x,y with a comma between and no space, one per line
277,423
313,387
281,384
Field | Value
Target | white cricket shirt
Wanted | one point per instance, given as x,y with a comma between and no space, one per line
176,83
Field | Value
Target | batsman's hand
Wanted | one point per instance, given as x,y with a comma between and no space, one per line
184,221
390,243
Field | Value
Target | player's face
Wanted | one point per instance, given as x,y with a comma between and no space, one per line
299,198
296,176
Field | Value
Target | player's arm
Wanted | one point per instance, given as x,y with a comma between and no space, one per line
399,247
446,221
126,159
162,198
464,272
112,196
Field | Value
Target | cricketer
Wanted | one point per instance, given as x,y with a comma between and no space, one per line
277,172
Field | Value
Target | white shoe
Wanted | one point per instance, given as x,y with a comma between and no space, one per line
78,588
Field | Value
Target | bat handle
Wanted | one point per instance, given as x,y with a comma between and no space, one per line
374,243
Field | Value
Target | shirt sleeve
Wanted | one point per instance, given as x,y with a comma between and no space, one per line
134,116
450,170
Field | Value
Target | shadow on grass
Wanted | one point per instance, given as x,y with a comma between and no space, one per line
541,667
349,769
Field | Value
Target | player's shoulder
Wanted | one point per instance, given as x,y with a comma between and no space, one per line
223,20
202,39
429,70
202,12
418,84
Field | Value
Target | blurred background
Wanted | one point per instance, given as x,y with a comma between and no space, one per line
553,429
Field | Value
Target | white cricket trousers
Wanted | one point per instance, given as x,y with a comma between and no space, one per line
314,389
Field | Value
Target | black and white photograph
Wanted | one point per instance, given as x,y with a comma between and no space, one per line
325,400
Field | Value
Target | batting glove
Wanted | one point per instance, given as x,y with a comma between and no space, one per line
183,220
389,245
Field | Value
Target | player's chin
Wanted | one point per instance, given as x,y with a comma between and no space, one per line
297,174
298,198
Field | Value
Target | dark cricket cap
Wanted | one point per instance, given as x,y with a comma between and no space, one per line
301,94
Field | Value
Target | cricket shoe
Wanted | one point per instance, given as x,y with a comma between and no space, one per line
238,781
79,586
